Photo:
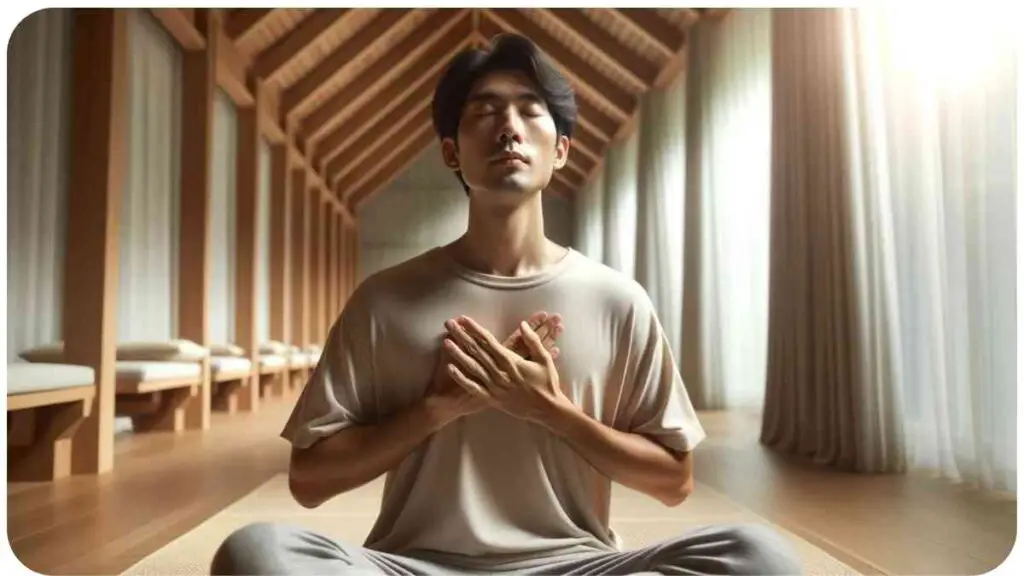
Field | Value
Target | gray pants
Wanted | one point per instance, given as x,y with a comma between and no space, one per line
273,549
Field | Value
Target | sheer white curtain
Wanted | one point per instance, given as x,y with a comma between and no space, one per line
263,244
728,129
660,184
933,151
588,219
893,243
619,192
148,275
223,217
38,113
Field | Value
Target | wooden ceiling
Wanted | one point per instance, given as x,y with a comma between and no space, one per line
352,87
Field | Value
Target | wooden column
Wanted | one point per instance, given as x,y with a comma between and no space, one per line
199,83
98,160
280,242
299,234
321,280
335,268
247,173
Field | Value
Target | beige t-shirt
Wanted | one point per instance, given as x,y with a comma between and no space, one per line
490,490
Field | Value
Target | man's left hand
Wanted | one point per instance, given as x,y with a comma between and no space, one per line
528,389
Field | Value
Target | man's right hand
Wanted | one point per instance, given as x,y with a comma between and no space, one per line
454,401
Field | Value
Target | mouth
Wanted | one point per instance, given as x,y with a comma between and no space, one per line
510,158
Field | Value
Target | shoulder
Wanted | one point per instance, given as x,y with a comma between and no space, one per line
387,284
618,292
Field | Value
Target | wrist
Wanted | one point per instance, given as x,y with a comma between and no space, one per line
561,415
438,411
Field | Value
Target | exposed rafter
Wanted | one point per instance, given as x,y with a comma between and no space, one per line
285,51
347,90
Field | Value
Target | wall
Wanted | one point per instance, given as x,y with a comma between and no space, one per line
426,207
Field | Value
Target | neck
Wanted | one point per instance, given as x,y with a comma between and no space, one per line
507,241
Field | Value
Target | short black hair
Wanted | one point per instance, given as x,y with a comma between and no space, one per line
508,52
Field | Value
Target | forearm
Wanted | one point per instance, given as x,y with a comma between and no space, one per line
361,453
629,459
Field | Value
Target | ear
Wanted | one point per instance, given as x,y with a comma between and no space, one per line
562,152
450,153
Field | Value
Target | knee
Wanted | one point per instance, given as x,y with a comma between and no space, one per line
764,549
248,550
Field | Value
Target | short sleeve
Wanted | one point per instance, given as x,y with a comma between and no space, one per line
656,402
342,390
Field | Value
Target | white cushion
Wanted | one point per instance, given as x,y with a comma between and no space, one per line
273,347
273,361
47,353
226,350
177,350
37,377
220,364
135,371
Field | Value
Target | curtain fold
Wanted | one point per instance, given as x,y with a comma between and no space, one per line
148,275
223,221
891,330
38,107
725,218
660,184
588,229
263,246
812,399
619,203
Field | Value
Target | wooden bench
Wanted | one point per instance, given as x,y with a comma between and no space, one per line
46,403
155,394
232,379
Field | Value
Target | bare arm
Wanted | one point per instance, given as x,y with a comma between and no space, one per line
358,454
630,459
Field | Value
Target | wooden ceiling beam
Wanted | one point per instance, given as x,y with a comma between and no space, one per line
270,62
338,62
597,120
413,85
647,22
427,47
391,167
182,27
586,77
358,174
382,129
558,177
587,143
633,66
240,24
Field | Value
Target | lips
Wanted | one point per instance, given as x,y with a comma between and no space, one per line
508,157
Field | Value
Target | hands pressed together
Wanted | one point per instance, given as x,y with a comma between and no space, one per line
475,371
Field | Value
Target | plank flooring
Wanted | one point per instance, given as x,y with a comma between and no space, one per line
165,485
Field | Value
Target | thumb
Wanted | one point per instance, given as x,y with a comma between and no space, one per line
537,350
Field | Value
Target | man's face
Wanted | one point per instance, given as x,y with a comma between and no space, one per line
508,146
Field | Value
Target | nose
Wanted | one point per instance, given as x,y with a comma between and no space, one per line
510,127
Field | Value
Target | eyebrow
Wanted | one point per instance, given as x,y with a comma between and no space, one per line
488,95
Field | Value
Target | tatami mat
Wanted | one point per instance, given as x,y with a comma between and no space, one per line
637,518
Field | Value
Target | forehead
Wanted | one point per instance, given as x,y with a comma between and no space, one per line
507,83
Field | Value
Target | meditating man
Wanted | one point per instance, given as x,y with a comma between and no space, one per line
502,382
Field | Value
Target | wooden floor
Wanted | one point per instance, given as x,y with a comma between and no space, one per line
165,485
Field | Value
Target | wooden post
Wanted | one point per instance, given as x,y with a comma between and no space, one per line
199,83
247,229
280,242
98,148
299,234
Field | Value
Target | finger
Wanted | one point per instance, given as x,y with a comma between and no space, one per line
466,383
536,320
537,350
495,356
465,361
555,353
